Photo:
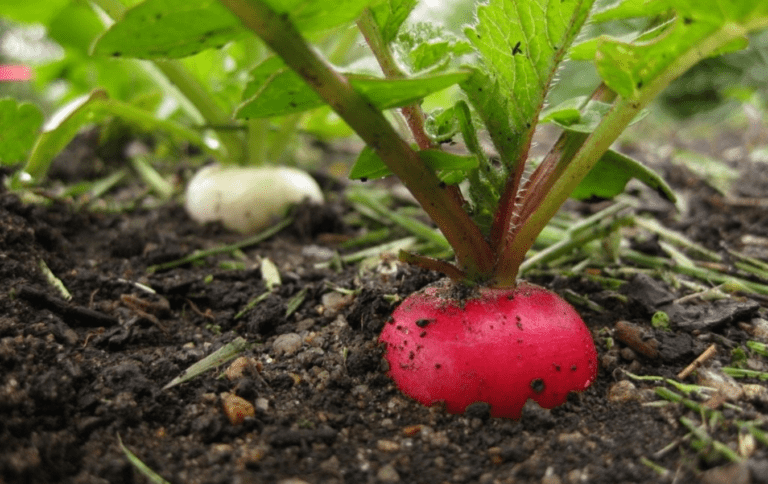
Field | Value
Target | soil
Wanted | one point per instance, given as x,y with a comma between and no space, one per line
80,376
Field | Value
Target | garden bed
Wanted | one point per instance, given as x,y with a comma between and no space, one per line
80,376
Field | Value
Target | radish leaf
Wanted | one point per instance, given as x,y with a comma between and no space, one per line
19,123
520,45
390,15
450,168
276,90
611,174
157,29
629,67
423,47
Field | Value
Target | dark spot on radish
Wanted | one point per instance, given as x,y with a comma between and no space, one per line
411,355
422,334
438,366
557,367
537,385
422,323
573,367
519,325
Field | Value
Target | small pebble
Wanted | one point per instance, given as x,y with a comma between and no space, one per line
387,473
622,392
412,430
237,368
387,446
727,474
628,354
550,477
237,409
335,301
572,438
287,344
262,404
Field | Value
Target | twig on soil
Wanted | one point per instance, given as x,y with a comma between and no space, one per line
223,249
54,281
697,272
707,354
215,359
140,465
393,247
73,315
411,225
597,226
675,238
660,470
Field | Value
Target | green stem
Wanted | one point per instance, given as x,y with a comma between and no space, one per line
413,114
472,251
178,75
595,145
203,100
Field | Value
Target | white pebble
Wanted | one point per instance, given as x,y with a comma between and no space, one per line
287,344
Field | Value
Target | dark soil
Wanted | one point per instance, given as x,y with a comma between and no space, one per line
79,375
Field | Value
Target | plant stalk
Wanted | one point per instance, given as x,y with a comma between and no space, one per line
189,87
413,114
594,146
472,251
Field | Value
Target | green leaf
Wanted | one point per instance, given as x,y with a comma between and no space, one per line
277,90
33,11
610,175
520,45
157,29
568,116
317,15
393,93
368,166
59,131
92,108
426,47
76,26
566,113
450,168
390,15
442,124
19,124
628,66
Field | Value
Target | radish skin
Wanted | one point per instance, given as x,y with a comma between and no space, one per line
247,199
500,346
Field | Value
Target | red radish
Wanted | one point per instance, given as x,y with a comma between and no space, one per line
499,346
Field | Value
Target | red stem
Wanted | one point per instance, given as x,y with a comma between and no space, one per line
472,251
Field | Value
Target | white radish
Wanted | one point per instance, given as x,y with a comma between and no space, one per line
247,199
